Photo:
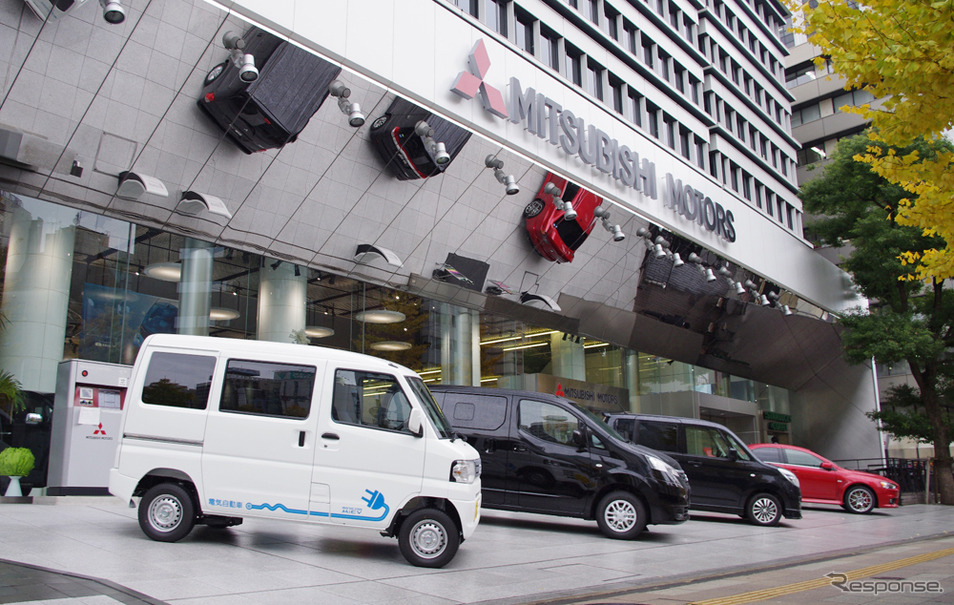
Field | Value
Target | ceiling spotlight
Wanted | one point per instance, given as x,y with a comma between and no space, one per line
642,232
113,11
618,234
660,251
710,276
569,212
552,189
751,285
244,62
506,179
341,92
677,260
724,270
786,309
764,300
694,258
739,288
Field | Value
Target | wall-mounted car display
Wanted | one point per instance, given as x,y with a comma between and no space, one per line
415,143
265,96
560,218
725,476
545,454
824,482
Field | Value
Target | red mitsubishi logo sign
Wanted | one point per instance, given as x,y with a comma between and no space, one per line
471,82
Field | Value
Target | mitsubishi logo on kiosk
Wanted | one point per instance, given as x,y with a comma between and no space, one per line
558,125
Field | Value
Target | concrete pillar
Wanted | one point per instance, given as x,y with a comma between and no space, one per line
281,302
567,357
195,288
36,294
631,378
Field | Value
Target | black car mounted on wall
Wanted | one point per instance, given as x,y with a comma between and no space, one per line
410,150
272,109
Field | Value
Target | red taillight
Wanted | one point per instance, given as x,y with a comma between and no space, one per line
266,120
209,97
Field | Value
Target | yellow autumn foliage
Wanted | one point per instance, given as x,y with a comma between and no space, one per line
902,51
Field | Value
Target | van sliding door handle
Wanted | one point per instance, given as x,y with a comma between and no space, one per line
519,448
330,436
301,438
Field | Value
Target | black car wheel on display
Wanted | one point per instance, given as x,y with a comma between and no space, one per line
379,122
215,72
534,208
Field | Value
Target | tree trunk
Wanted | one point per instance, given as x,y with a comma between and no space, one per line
942,443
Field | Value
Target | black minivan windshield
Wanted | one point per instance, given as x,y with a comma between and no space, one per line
431,408
602,423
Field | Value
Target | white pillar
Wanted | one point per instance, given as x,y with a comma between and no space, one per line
281,302
460,346
195,287
36,295
568,358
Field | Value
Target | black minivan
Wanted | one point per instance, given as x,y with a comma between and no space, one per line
544,454
272,110
724,474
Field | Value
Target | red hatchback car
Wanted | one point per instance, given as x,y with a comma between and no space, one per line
824,482
554,236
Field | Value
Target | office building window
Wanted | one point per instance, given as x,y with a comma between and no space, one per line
524,31
594,79
611,24
468,6
497,16
550,48
574,65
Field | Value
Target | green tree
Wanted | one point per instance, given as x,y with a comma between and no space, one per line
909,321
902,51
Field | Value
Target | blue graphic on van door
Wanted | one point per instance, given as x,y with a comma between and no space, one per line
374,499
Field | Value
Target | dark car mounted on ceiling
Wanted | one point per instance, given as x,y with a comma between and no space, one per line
562,216
415,143
265,93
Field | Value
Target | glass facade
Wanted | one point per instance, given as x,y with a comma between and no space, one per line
79,285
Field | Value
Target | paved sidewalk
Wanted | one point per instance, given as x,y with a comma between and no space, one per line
511,559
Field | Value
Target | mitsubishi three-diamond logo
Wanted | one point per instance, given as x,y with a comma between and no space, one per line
471,82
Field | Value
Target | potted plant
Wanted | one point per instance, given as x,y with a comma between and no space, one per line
16,462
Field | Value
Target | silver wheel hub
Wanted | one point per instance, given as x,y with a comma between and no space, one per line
620,515
859,500
764,510
165,513
428,539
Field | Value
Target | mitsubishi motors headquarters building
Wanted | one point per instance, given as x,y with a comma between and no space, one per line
594,198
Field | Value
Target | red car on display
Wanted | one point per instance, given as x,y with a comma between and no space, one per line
554,236
824,482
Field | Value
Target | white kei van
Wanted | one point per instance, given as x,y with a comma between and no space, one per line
215,429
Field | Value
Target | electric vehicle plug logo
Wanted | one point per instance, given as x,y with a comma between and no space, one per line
470,82
375,500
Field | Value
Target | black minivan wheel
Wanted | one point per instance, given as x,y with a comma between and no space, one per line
166,513
429,538
764,509
621,516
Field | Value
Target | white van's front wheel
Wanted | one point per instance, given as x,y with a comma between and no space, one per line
428,538
166,513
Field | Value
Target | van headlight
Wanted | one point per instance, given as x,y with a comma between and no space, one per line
669,473
790,476
465,471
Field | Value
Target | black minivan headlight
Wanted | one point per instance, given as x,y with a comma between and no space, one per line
668,472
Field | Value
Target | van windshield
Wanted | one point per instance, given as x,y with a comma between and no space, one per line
431,408
599,421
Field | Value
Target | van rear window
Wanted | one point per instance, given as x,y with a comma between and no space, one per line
268,389
178,380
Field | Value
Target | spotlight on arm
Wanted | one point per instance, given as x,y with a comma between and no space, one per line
244,62
351,109
113,11
506,179
604,215
435,148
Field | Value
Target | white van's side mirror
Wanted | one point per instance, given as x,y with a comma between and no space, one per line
415,423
